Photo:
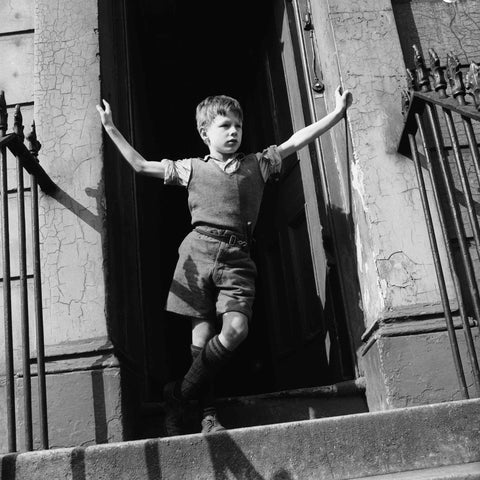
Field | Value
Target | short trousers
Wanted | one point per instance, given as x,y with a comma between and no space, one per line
211,278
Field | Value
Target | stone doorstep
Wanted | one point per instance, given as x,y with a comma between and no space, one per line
466,471
271,411
343,398
345,447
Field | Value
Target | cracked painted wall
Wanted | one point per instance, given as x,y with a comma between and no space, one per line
67,87
393,253
439,25
447,27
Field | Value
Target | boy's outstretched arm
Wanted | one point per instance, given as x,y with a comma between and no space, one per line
311,132
138,163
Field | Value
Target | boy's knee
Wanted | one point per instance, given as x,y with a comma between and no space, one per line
235,327
202,332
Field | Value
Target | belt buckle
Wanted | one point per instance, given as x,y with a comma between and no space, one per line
232,240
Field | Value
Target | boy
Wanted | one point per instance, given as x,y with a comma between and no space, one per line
215,276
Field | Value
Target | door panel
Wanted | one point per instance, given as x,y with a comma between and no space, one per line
292,280
301,313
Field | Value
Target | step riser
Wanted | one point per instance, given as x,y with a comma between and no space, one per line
267,412
469,471
328,449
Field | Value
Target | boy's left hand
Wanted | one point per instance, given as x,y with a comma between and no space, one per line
343,99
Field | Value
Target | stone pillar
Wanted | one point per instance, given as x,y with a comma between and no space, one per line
83,378
405,343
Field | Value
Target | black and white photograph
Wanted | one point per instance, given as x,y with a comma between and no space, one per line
239,240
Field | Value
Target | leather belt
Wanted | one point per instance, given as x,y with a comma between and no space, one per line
232,240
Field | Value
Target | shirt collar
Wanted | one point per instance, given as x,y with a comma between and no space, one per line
237,156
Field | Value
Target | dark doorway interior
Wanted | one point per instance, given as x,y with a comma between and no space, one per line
181,52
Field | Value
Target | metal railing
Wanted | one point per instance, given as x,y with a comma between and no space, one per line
26,159
441,135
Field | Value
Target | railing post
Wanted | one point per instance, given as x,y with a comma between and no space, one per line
437,263
7,289
34,147
458,90
457,220
27,382
440,86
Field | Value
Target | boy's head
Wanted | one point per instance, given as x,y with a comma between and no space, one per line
212,107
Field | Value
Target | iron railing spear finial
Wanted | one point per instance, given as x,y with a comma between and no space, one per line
408,92
455,77
438,74
3,114
472,80
18,123
423,79
33,144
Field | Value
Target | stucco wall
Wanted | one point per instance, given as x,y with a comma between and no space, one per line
394,259
414,369
84,408
445,27
66,90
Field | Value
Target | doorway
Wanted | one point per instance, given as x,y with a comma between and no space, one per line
181,52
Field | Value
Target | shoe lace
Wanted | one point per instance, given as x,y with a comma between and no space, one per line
210,421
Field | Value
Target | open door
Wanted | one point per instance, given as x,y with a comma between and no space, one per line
300,310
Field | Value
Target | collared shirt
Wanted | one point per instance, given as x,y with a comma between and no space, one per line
177,172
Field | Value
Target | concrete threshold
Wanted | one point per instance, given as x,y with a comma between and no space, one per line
343,447
349,387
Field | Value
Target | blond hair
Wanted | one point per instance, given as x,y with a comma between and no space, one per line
211,107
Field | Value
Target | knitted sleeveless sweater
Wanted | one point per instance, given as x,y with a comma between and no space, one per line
225,201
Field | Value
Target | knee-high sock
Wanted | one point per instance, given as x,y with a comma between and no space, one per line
207,364
207,394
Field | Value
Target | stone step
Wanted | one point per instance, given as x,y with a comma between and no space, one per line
467,471
337,448
342,398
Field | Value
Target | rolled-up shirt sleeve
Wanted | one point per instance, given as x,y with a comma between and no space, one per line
177,172
270,163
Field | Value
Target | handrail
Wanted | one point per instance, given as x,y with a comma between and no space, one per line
26,159
424,139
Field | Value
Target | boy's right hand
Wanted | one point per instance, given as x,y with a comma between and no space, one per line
105,115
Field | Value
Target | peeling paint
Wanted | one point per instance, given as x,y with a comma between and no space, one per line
72,225
398,277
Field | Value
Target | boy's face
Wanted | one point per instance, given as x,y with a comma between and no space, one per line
223,136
